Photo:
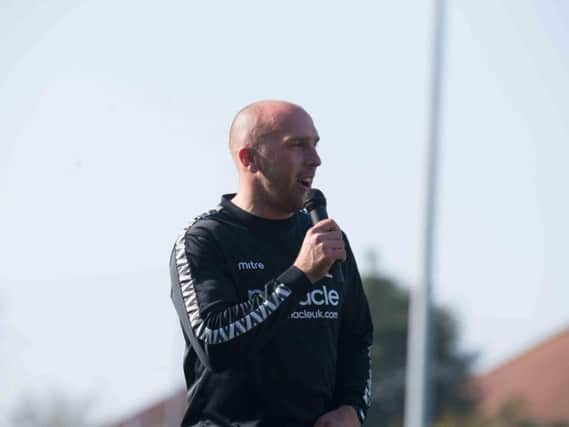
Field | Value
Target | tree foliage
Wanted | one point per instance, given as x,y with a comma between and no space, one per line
512,414
389,306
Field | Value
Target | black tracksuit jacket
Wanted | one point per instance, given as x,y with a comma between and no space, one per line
265,347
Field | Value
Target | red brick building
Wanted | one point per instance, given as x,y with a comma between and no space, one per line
165,413
539,378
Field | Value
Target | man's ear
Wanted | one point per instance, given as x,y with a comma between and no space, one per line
247,159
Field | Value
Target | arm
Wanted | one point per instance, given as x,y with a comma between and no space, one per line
356,334
223,330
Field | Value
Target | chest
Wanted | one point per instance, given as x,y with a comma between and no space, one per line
254,259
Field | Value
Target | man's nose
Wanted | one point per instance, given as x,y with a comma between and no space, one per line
314,158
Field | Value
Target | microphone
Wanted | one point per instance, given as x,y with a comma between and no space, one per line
315,204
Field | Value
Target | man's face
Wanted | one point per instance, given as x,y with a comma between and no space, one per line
288,161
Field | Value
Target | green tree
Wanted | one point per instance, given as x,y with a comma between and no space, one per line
389,306
511,414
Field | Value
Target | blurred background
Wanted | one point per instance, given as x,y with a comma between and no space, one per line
114,118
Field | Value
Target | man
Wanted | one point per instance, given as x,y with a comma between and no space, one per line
272,340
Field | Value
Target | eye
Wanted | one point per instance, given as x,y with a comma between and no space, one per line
303,143
297,143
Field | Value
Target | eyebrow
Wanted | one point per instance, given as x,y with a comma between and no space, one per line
302,139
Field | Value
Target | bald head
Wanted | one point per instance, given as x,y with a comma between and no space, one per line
258,120
273,144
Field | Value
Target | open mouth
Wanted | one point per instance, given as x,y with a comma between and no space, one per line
306,182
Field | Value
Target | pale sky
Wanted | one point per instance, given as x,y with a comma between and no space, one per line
113,135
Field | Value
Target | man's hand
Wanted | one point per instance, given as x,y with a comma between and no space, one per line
344,416
322,246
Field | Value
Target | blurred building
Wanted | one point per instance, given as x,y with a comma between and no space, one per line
538,378
165,413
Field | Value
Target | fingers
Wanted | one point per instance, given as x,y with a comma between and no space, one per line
325,236
324,230
326,225
336,254
322,246
329,237
331,244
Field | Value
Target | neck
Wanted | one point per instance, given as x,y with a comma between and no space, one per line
257,205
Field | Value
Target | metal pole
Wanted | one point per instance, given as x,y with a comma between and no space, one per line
418,382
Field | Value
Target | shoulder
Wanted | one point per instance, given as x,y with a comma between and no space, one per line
208,219
203,224
199,236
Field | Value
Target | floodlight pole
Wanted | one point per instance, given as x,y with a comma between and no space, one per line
419,388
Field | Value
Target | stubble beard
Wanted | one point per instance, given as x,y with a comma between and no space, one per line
282,200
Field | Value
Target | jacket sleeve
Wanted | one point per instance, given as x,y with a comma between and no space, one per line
353,377
223,330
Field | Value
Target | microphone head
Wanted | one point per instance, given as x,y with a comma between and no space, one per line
314,199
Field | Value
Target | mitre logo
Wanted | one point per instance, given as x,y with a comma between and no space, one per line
250,265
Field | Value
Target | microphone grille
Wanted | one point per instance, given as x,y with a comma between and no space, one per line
314,199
